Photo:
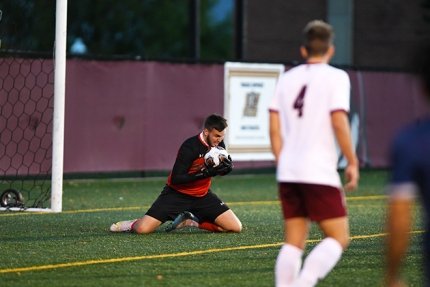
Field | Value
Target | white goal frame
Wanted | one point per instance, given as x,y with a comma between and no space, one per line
59,108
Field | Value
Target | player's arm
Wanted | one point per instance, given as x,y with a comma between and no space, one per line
399,221
340,124
182,171
275,134
187,168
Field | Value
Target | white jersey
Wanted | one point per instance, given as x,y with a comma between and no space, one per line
305,97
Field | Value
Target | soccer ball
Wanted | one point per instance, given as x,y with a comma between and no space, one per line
215,156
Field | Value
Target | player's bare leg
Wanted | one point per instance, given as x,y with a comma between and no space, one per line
338,229
228,221
146,224
289,259
325,255
296,231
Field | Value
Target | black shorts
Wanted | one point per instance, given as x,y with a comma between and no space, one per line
171,202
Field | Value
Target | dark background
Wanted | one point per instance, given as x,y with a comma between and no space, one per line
381,34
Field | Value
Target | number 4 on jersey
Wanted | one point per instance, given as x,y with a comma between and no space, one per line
300,101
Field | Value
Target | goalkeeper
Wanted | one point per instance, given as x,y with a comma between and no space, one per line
186,198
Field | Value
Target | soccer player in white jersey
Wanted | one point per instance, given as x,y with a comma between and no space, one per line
308,115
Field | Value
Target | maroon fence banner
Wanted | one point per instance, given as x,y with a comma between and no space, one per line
132,116
125,116
384,102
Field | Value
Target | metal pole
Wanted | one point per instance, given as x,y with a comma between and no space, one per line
59,105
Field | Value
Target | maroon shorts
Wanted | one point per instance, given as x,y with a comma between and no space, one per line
314,201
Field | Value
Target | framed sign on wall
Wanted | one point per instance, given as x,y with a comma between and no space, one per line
248,90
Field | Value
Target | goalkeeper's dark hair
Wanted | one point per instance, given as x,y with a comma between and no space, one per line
215,121
317,37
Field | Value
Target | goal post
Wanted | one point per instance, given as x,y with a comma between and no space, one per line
59,106
32,108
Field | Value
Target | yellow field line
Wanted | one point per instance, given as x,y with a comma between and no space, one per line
169,255
369,197
238,203
16,213
105,209
354,198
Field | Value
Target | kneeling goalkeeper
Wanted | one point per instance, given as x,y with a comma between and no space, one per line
186,198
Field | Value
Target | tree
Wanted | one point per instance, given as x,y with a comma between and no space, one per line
150,29
27,25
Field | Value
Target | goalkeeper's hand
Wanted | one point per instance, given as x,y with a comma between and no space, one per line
209,171
225,167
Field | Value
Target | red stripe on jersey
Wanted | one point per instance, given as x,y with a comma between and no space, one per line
196,188
202,139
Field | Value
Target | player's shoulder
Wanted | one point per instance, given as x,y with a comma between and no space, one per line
294,69
191,147
194,143
191,141
336,71
326,68
335,76
292,73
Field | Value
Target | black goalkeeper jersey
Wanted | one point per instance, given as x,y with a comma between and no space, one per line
188,165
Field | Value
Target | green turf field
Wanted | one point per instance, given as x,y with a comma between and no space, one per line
74,248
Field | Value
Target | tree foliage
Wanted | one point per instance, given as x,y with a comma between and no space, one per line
27,25
151,29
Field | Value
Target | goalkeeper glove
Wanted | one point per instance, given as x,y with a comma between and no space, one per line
208,171
225,167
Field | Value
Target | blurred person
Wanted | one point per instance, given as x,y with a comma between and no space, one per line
308,115
187,198
410,179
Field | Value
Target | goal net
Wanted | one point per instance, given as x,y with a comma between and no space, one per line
31,123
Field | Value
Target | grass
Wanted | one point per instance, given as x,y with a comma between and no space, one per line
74,248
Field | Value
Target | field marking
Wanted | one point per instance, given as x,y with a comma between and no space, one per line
238,203
17,213
368,197
168,255
353,198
